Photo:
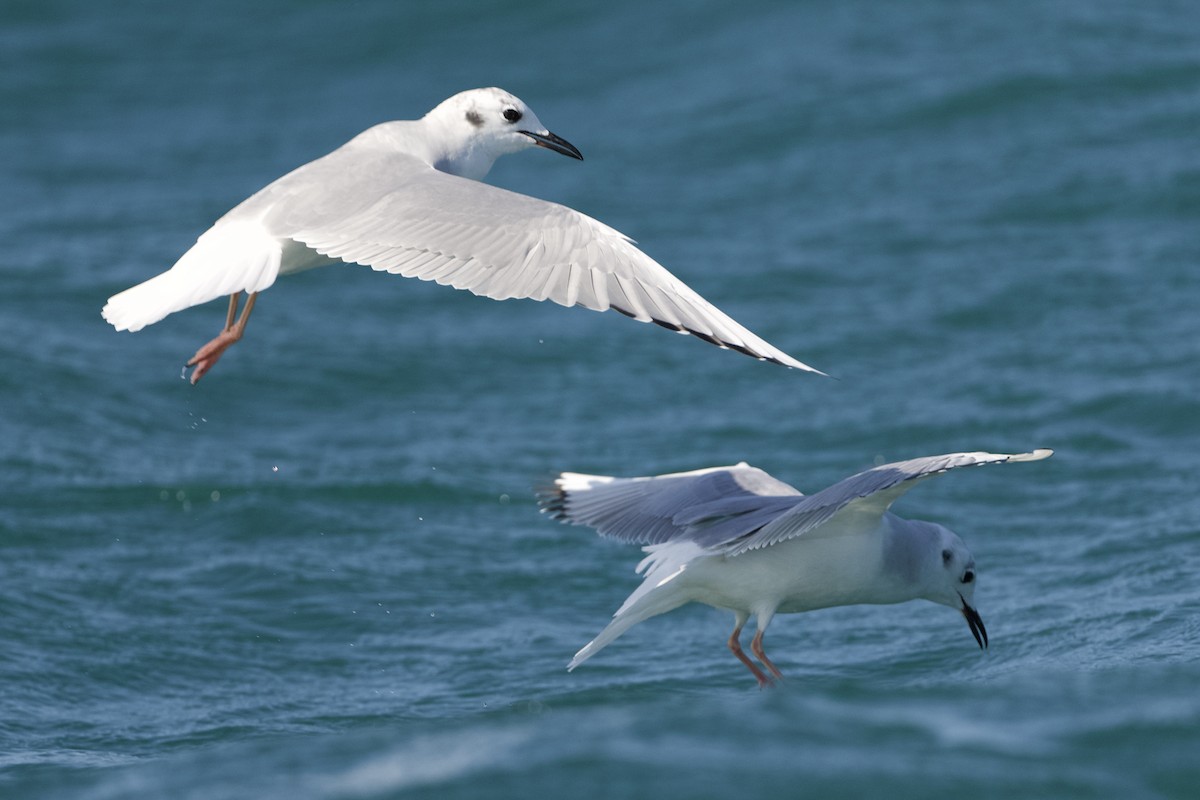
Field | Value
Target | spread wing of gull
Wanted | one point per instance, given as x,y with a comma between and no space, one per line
870,492
396,214
707,506
731,510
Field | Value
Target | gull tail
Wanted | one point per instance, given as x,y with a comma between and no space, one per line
659,593
229,258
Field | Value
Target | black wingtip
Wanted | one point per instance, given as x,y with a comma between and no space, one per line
724,345
551,500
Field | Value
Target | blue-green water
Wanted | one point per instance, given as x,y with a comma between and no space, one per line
321,574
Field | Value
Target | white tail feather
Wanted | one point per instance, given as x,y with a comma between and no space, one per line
230,258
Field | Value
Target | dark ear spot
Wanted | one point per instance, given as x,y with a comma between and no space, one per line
475,118
946,556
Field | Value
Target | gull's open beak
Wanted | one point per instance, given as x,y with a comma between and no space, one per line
975,622
555,143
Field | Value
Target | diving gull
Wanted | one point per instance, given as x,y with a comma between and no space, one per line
738,539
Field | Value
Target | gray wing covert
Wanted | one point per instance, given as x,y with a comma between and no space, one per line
706,506
870,492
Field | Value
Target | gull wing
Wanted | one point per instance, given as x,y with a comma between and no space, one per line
396,214
870,492
704,506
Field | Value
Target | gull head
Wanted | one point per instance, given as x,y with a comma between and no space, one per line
476,127
949,576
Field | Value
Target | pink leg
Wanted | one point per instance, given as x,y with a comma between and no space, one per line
206,357
736,647
756,647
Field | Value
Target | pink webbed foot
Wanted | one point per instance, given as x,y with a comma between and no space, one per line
208,355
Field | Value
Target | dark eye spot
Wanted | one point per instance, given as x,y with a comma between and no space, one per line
968,576
511,114
946,556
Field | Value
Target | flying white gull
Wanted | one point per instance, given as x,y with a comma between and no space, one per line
404,197
737,538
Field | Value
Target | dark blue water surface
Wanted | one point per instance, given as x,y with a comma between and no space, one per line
320,573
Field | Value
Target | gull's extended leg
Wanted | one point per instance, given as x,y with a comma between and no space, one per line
756,647
735,647
206,357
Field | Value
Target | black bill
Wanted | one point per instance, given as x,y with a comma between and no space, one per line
975,622
555,143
